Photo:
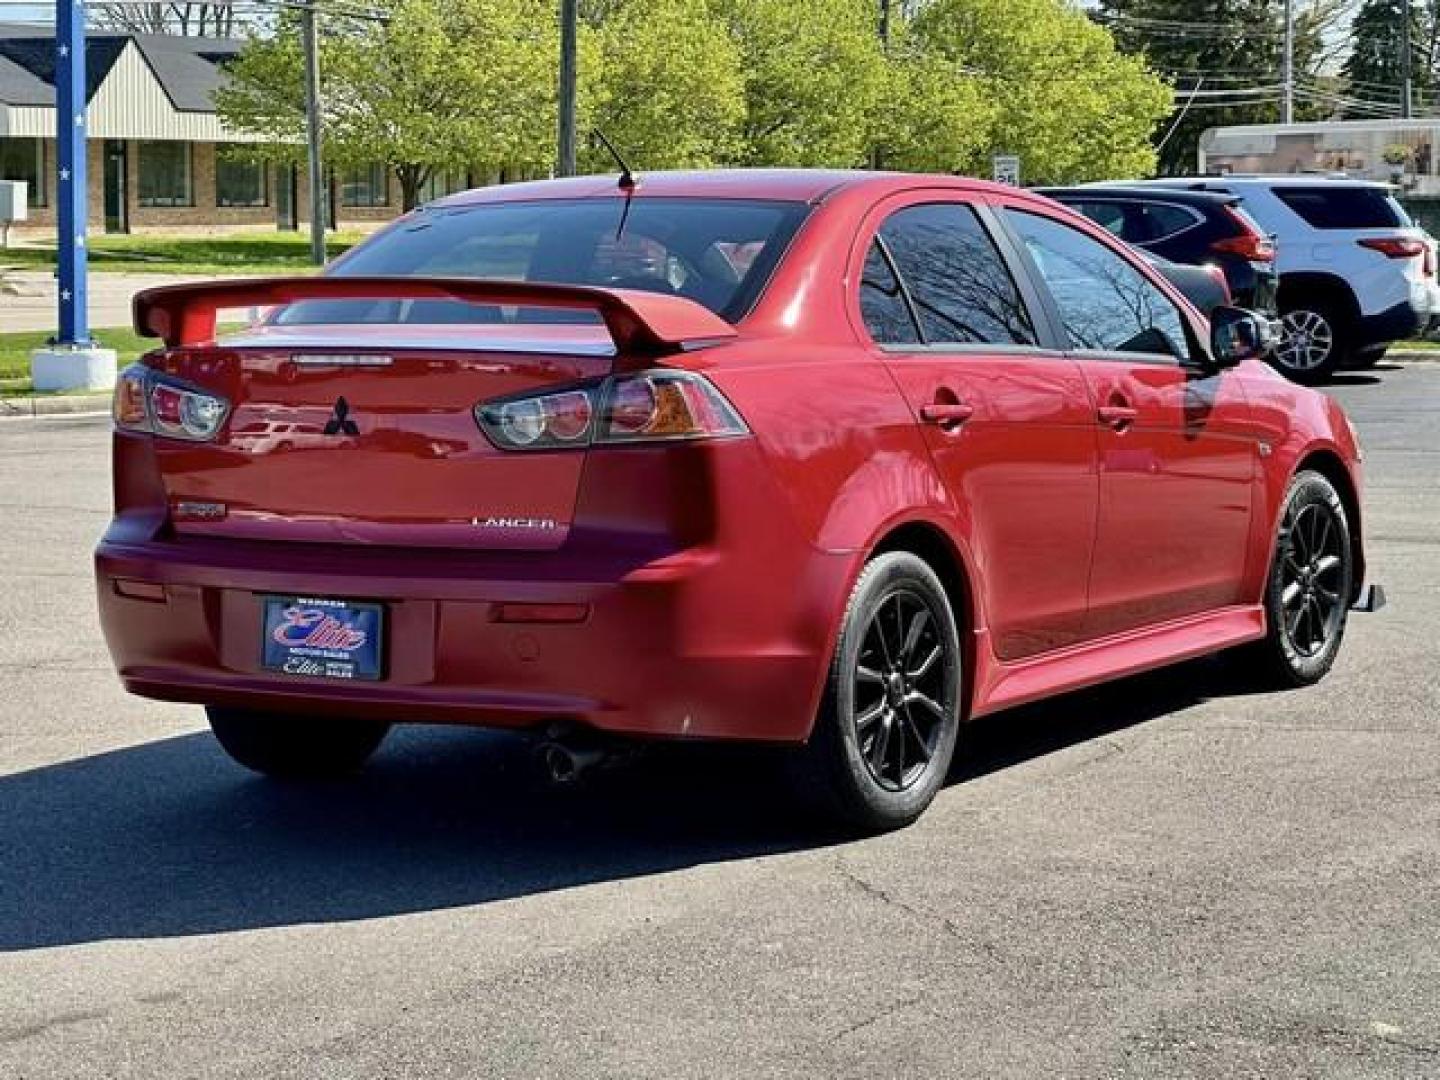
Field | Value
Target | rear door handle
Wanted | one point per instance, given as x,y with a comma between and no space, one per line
1117,416
946,413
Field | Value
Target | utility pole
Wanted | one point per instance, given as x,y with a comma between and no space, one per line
885,22
1287,108
565,142
312,135
1407,74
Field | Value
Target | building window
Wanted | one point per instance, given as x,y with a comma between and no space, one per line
165,174
24,159
239,182
368,186
442,182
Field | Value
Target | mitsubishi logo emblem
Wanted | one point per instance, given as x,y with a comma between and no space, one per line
340,422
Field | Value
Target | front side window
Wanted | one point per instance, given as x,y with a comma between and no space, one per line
1105,303
959,284
241,183
165,174
24,159
368,186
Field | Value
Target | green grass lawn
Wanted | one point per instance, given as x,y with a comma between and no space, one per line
15,353
246,253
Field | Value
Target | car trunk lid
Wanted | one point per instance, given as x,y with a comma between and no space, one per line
366,434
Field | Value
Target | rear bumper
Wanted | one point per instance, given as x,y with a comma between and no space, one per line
1397,323
666,647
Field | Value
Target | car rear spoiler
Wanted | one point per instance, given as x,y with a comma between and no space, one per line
639,322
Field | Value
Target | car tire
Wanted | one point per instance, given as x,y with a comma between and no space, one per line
296,747
1308,592
1314,342
890,717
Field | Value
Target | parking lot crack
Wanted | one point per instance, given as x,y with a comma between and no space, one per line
892,1009
884,896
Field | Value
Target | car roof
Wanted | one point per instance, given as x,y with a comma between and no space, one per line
1240,180
784,185
1187,196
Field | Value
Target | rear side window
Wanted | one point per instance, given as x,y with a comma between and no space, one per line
1137,222
1105,303
957,281
1109,216
1163,220
1342,207
882,303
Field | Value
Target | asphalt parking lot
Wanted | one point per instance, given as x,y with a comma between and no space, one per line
1174,876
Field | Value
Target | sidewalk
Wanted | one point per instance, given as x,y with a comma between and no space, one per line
110,295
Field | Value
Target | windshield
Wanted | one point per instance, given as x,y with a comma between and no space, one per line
717,252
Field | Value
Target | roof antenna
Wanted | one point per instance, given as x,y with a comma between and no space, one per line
628,183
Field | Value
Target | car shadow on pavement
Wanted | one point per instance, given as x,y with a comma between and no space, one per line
170,839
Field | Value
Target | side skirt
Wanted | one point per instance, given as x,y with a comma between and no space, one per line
1000,685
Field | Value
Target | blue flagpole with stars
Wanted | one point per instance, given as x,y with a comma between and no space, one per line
70,137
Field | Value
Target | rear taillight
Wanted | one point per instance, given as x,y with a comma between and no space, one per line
1396,247
1250,244
649,407
145,401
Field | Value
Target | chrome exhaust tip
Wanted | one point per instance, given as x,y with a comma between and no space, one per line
564,765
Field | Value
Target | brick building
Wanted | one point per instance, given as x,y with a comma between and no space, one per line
159,158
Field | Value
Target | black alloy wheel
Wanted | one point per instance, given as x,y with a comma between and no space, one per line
1310,588
899,682
1311,569
887,728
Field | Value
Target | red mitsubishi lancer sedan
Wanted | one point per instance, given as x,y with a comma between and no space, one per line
828,459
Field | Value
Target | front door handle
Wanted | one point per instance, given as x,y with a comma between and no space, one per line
1117,416
946,413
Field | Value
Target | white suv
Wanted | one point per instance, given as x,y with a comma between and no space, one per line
1355,272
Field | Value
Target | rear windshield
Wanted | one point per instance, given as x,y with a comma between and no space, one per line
1344,207
718,252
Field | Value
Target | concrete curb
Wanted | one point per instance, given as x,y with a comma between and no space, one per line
54,405
1413,356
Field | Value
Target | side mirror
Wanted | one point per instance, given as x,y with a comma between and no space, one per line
1237,335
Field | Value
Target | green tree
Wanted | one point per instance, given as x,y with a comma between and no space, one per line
1220,45
453,84
662,79
1375,70
814,79
1070,105
934,116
